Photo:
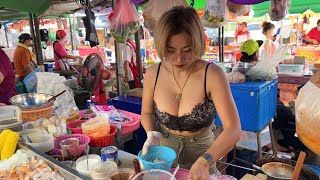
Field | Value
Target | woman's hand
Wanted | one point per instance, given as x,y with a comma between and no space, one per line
199,170
153,139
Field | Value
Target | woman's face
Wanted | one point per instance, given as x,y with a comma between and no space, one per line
270,32
179,52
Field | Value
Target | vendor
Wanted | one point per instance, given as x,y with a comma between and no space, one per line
243,32
268,46
182,95
23,58
313,36
60,53
249,51
7,79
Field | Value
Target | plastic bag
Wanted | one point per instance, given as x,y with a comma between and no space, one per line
154,10
96,127
308,116
238,9
30,81
265,69
279,9
91,33
124,20
215,13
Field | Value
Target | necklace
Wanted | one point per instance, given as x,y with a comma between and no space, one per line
179,95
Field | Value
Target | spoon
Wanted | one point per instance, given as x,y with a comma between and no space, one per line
175,172
55,97
87,147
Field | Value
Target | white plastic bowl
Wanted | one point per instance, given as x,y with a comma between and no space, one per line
41,142
154,174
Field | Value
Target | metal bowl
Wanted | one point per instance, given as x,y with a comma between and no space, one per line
31,100
244,67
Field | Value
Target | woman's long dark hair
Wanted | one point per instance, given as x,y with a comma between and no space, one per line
267,26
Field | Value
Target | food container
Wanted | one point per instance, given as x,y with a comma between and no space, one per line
76,152
291,69
66,145
122,174
10,118
81,163
28,132
71,164
41,142
102,170
31,100
75,126
154,174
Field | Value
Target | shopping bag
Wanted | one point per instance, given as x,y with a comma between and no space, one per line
124,20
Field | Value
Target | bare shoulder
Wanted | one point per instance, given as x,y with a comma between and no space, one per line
152,70
215,72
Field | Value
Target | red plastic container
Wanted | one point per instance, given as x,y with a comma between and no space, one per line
106,140
74,126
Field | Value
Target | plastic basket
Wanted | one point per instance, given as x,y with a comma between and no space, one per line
181,174
73,126
35,114
75,116
83,140
159,152
105,140
314,169
131,126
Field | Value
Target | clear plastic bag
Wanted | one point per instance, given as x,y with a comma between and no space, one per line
308,116
96,127
155,8
215,13
278,9
238,9
265,69
124,20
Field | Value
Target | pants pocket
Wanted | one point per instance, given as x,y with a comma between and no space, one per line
203,141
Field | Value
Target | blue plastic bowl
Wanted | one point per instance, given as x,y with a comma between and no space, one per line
157,152
314,168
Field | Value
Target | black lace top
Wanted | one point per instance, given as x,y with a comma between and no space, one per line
201,116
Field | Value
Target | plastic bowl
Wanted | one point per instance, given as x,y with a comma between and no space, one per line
81,163
166,154
103,169
122,174
155,174
41,142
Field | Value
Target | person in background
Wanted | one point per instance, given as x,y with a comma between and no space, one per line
275,41
182,95
313,37
23,58
60,53
268,46
128,64
242,31
7,79
249,51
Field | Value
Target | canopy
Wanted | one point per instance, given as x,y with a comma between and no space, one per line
30,6
297,7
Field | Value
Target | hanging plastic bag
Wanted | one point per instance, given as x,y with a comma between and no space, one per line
265,69
154,10
30,81
308,115
91,33
238,9
279,9
215,13
124,20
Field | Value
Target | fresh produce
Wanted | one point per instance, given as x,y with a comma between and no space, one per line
3,137
10,145
215,14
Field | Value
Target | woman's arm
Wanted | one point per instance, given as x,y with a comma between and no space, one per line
147,113
219,89
267,47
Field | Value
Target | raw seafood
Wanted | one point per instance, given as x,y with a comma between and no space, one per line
156,160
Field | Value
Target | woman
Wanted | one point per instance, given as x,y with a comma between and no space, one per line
242,32
7,79
268,46
60,52
182,94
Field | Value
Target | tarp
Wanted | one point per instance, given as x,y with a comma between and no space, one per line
297,7
37,7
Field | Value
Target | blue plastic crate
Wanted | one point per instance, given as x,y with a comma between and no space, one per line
256,103
128,103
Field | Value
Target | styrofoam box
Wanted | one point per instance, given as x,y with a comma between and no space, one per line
291,68
256,103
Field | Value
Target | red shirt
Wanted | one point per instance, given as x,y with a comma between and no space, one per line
314,33
61,51
8,86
